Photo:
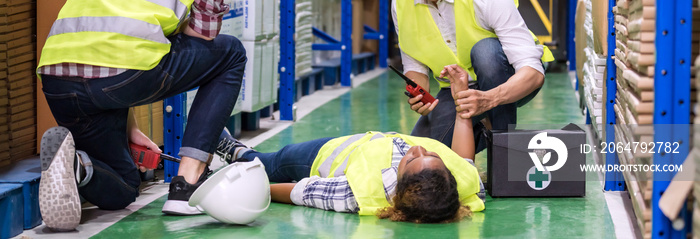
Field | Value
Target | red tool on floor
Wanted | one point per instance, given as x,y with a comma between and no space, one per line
145,157
413,89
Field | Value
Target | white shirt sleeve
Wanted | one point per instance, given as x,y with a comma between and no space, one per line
502,17
297,194
331,194
409,64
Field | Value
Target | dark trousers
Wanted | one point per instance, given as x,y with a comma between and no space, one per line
492,69
96,110
291,163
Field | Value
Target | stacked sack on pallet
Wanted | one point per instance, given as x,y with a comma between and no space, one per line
591,65
304,36
635,59
594,75
256,24
17,80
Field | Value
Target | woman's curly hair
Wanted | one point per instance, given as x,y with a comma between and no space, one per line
428,196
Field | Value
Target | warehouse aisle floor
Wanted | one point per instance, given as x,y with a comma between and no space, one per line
379,105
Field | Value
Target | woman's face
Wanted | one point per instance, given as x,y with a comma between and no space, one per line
417,159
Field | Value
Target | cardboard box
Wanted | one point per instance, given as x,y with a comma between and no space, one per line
16,26
268,18
276,17
149,118
250,99
581,39
370,17
25,106
233,22
16,117
267,75
358,30
512,171
253,16
275,68
47,12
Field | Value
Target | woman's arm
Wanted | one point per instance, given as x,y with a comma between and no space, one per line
332,194
463,138
281,192
463,135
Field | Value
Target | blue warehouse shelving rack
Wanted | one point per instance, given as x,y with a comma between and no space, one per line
671,104
671,113
614,181
173,128
287,59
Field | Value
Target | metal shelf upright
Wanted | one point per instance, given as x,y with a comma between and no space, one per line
287,59
173,129
346,40
614,181
570,34
671,104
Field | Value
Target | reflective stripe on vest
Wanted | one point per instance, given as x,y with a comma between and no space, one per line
420,38
128,26
325,168
128,34
341,169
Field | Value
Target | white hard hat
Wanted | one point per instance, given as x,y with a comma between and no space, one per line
236,194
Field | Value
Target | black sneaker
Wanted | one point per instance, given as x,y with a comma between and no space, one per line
180,193
229,147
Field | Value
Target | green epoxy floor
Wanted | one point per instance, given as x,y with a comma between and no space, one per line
379,105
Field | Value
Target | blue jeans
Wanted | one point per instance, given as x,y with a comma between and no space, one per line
96,110
492,69
291,163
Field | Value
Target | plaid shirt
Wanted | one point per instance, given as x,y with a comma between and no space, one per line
334,194
205,19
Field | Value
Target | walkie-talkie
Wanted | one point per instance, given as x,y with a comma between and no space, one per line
143,156
413,89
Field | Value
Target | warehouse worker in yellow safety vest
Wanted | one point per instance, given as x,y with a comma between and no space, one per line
395,176
103,57
489,38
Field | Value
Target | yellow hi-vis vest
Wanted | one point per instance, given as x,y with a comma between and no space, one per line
128,34
362,157
420,38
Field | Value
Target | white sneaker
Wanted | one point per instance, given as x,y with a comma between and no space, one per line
59,201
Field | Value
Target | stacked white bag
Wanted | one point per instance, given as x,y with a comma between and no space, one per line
304,36
593,76
256,24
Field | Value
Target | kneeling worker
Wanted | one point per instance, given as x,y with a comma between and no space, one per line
489,38
103,57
